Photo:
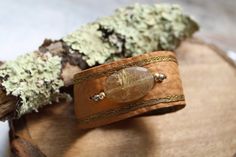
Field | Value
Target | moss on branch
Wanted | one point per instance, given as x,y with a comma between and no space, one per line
131,31
35,78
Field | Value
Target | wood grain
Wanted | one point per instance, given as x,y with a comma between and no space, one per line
205,127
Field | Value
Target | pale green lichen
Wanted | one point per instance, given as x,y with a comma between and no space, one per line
34,78
131,31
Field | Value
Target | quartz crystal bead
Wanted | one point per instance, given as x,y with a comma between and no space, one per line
129,84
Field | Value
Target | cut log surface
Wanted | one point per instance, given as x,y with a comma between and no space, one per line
205,127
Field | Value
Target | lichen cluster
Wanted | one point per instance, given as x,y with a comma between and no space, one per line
34,78
131,31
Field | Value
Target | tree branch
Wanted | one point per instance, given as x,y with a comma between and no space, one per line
34,80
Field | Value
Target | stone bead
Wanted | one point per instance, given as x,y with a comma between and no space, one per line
129,84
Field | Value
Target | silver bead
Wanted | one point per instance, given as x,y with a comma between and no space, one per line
98,96
102,95
159,77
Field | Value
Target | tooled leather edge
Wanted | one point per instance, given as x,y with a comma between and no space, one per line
141,62
130,107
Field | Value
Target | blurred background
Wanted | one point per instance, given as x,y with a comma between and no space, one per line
24,24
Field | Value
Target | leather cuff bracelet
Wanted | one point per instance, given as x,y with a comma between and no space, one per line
126,88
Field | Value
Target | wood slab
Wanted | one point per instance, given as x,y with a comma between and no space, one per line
205,127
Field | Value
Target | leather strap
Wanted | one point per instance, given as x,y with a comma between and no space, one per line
168,93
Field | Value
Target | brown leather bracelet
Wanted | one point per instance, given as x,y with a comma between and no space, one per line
126,88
